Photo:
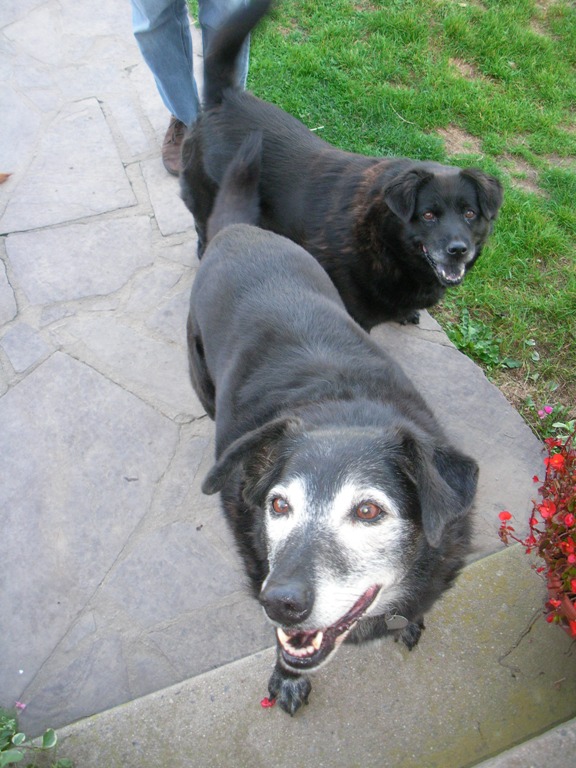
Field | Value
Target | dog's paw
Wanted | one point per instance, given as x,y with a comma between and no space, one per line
290,691
413,318
411,634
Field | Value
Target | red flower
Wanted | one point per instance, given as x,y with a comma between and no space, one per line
552,442
267,703
555,462
547,509
552,532
567,547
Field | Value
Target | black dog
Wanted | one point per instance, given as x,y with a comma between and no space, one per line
392,234
349,507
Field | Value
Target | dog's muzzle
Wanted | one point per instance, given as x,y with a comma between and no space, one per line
305,650
447,275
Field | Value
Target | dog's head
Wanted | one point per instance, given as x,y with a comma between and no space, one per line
446,214
342,514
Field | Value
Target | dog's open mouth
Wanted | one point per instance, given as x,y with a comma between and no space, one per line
446,275
305,650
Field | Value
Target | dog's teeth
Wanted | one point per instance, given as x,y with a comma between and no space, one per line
282,637
300,652
317,640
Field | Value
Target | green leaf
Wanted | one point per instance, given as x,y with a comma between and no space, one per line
18,738
49,739
10,757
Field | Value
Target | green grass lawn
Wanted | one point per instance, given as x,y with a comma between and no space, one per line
490,84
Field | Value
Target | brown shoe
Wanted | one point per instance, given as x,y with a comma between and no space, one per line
171,148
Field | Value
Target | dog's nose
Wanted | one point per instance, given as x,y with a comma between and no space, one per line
457,248
286,602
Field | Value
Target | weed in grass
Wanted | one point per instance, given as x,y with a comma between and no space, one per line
553,420
476,339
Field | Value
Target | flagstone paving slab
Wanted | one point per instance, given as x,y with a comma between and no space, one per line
164,190
74,261
12,10
77,169
553,749
24,347
20,128
84,459
153,370
8,307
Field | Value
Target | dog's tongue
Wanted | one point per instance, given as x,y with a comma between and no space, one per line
308,648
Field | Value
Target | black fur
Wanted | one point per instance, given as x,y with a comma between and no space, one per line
392,233
299,390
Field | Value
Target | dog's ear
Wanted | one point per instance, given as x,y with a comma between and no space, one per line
446,482
401,193
257,447
489,190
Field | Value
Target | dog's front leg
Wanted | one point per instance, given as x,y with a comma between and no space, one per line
290,690
410,635
413,318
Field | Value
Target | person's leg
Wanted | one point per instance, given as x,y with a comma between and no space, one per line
211,15
162,31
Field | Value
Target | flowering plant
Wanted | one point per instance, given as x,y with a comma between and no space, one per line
553,530
14,745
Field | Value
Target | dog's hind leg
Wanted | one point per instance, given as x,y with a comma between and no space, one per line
199,375
197,189
289,690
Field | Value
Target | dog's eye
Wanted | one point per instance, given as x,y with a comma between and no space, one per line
469,214
368,511
280,505
429,216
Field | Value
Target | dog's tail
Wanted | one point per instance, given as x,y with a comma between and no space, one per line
221,58
238,199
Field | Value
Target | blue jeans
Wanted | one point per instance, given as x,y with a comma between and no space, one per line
162,31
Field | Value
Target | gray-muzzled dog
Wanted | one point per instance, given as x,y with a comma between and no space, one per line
350,508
